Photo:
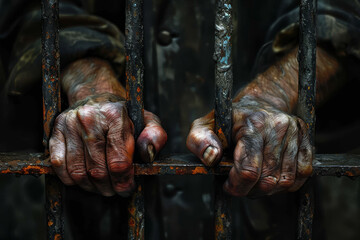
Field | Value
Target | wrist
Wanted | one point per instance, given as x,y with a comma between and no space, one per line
90,76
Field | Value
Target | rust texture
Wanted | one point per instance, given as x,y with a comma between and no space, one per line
223,223
50,64
306,101
51,108
136,211
134,44
223,71
53,205
185,164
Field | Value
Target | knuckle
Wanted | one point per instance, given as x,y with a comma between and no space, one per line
55,162
287,180
98,174
120,167
250,175
266,184
78,175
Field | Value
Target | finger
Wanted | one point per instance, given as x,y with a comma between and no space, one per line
152,139
75,161
203,142
274,143
248,159
94,129
305,157
119,151
289,158
58,153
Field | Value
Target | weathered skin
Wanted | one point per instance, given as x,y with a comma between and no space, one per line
272,149
92,144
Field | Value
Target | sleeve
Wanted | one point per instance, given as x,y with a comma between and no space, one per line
81,35
337,29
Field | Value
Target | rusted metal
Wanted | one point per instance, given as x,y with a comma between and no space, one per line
223,223
51,108
307,101
223,71
136,210
53,205
134,44
184,164
50,65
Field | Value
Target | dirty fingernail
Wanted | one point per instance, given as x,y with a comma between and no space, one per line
210,155
151,152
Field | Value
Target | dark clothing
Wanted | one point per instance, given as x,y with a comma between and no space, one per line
183,63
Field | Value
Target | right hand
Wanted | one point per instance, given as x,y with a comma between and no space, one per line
92,145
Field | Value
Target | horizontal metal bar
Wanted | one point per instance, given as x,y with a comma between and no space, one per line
185,164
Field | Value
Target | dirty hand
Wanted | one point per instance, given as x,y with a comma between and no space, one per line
92,143
272,149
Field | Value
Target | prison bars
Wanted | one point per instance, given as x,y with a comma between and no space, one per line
36,164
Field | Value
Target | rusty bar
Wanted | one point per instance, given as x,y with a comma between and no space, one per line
53,205
306,102
223,223
223,71
51,108
134,50
134,44
50,65
136,213
185,164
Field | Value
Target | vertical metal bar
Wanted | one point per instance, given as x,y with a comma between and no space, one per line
223,108
306,101
223,218
134,44
137,213
223,70
51,108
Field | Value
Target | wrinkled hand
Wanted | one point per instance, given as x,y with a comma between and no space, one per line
272,149
92,145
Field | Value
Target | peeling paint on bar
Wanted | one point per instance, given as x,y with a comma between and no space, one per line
186,164
134,44
223,222
51,108
223,71
306,102
136,211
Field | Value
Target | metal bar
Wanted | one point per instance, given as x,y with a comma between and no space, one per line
223,71
50,65
136,212
223,107
54,208
306,102
223,223
186,164
51,108
134,44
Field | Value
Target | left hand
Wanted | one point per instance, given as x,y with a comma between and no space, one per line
272,152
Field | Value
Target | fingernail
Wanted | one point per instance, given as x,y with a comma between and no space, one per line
210,155
151,152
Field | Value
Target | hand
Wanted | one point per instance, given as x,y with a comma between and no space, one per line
272,149
92,145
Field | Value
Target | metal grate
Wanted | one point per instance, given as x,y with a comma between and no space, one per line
39,163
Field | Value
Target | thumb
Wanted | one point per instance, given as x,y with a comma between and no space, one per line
203,142
152,139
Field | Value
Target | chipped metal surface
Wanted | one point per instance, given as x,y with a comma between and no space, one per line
307,101
223,71
184,164
134,50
